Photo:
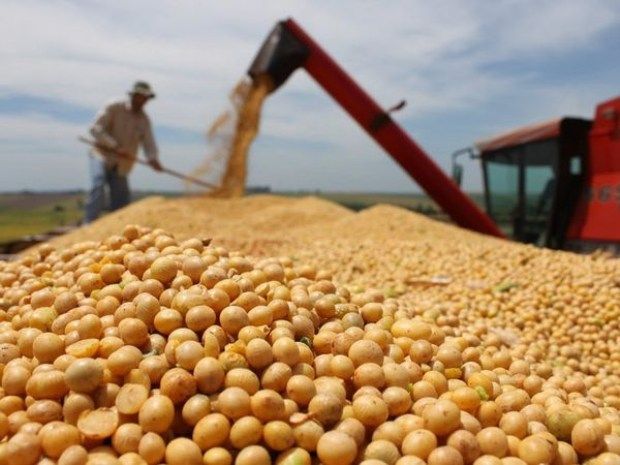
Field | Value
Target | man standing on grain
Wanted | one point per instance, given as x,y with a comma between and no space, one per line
122,126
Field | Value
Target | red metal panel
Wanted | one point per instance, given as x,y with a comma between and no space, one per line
597,216
392,138
531,133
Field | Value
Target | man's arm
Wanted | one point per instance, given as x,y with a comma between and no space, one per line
150,147
99,128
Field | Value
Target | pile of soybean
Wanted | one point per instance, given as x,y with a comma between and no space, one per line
143,349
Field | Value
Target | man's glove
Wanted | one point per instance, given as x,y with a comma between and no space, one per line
155,165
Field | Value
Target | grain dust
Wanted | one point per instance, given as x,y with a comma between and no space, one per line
231,136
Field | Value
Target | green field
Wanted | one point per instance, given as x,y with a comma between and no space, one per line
27,213
23,214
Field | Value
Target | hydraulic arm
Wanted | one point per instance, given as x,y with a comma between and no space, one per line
288,47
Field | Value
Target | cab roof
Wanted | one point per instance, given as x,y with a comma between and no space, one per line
523,135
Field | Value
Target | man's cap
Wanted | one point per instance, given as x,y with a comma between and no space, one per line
142,88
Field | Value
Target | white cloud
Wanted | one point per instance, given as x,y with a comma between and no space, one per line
42,129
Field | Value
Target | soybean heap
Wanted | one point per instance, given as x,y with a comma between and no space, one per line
269,330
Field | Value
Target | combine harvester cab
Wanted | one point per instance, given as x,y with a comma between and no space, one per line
532,178
556,184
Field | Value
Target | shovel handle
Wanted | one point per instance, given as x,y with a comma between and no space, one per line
120,154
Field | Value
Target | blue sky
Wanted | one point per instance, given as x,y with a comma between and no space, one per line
468,69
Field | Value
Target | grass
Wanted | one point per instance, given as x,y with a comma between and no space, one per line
25,216
29,213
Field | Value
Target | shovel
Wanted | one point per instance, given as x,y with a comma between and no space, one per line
120,154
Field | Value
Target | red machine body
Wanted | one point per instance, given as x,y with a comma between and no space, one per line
289,47
597,217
